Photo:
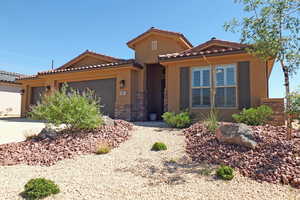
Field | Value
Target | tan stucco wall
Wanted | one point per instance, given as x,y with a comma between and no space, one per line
10,100
144,53
258,80
124,73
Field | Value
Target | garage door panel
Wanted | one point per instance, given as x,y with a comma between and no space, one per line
105,89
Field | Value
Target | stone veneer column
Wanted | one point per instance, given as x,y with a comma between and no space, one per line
140,109
277,105
123,112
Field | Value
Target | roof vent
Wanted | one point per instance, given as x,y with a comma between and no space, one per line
213,38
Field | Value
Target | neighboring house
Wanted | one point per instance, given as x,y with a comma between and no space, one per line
10,94
167,74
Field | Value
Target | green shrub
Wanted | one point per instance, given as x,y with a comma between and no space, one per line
181,120
103,149
225,172
159,146
39,188
254,116
211,121
294,109
68,106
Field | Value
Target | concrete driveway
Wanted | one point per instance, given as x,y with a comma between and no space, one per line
15,129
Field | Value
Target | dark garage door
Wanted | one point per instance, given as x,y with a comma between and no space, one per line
36,94
104,88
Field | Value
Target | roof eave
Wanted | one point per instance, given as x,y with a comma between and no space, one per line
10,82
183,57
134,65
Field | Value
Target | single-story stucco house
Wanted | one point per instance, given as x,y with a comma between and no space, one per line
10,94
167,74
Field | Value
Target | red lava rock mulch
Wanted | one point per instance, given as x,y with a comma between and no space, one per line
275,160
67,145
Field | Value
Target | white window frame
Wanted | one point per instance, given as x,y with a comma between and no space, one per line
222,66
201,69
154,45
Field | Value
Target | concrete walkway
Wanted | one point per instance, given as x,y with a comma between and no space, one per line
15,129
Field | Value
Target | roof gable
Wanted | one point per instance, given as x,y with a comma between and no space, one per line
89,54
153,31
216,44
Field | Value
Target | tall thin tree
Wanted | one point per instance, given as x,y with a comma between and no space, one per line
272,29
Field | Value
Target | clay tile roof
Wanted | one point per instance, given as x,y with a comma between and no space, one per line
90,67
109,58
224,43
9,77
216,52
152,29
26,77
221,47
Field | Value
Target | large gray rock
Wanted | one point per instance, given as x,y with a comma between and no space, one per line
108,121
232,133
48,132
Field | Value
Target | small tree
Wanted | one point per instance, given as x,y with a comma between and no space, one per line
272,29
70,107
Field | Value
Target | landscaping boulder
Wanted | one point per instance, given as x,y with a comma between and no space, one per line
108,121
232,133
49,133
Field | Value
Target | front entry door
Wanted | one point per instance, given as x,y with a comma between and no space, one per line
155,89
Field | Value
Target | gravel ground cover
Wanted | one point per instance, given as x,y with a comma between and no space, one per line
275,160
48,151
132,171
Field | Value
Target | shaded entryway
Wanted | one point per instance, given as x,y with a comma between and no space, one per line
155,89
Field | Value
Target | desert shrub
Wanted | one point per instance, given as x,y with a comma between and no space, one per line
225,172
68,106
159,146
39,188
180,120
211,122
254,116
103,148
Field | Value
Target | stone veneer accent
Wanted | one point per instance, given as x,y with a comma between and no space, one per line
277,105
140,110
123,112
136,112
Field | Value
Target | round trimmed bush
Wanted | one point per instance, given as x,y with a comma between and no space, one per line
159,146
225,172
39,188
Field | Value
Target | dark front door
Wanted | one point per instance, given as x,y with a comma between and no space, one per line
105,89
155,89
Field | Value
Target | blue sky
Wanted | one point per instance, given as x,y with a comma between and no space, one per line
35,32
